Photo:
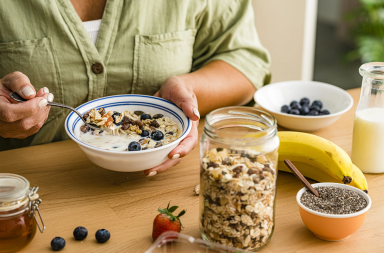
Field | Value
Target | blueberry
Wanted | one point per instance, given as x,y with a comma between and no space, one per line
57,243
295,112
102,235
285,108
145,116
304,110
134,146
304,101
157,135
324,112
293,102
313,113
144,133
314,108
80,233
296,106
114,119
318,103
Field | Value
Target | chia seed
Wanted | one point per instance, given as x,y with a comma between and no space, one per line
334,200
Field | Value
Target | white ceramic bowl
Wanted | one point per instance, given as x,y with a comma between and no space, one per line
273,96
129,161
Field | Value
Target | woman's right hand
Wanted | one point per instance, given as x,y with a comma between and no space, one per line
20,120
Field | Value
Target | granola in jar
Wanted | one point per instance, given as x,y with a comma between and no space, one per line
238,191
238,160
131,131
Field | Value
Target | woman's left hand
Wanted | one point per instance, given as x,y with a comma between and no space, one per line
176,90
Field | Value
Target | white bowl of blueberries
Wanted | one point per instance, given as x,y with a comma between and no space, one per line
304,105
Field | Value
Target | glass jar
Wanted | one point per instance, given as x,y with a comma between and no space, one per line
368,129
239,155
18,207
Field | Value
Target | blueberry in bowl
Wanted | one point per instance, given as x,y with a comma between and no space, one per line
304,110
145,116
144,133
295,112
317,103
285,108
279,99
157,135
134,146
304,101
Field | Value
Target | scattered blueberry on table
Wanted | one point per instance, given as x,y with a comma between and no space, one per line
57,243
102,235
305,108
80,233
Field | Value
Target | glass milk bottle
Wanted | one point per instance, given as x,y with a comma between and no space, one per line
368,129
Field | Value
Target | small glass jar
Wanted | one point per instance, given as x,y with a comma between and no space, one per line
239,155
18,207
368,134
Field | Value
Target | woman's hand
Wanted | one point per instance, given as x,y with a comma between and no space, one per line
20,120
175,89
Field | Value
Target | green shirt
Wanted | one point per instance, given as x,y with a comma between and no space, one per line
139,45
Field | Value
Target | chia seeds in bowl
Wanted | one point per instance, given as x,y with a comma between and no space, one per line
334,200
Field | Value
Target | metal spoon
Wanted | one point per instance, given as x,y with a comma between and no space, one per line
18,98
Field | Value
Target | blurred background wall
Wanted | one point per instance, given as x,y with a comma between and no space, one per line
281,28
321,40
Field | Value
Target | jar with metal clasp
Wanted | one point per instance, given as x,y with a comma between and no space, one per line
19,213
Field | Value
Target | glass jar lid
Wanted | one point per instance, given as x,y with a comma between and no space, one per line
13,187
240,125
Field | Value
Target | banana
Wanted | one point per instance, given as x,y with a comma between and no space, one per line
319,159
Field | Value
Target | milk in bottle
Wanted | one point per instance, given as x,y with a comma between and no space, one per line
368,129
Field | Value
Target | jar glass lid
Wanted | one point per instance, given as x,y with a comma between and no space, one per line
13,187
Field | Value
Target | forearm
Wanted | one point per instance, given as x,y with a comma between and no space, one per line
218,84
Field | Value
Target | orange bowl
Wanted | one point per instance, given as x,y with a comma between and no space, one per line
333,227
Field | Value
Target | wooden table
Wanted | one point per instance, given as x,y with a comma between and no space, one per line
76,192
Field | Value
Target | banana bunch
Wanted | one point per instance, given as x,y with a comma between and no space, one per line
319,159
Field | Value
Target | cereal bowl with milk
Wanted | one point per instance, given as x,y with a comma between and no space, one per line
142,131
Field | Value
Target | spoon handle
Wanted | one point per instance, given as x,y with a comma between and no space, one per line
300,176
18,98
67,107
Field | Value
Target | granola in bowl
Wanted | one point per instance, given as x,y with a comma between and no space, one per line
237,197
131,131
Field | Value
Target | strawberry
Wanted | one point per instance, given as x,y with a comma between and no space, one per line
166,221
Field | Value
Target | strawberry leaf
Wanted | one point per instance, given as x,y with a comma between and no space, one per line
181,214
164,211
172,209
168,204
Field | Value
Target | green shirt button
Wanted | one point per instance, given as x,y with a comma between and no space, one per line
97,68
